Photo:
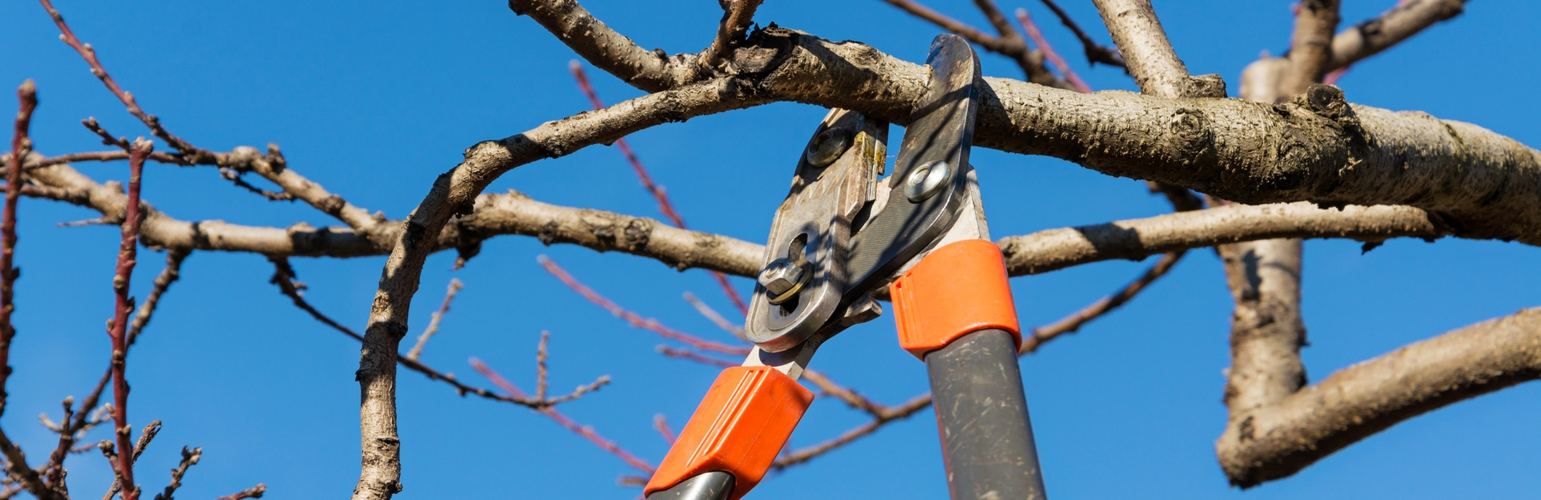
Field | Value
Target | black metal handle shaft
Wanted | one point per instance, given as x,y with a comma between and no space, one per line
716,485
987,440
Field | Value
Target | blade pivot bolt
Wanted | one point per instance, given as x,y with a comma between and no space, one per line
926,180
828,146
783,278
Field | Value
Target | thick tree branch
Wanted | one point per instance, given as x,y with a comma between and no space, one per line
1319,149
1136,239
1278,440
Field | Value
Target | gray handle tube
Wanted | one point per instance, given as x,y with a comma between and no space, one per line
981,412
715,485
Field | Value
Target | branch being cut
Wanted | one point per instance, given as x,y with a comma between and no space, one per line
1278,440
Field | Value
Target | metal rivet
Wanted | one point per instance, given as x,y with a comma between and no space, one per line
926,180
828,146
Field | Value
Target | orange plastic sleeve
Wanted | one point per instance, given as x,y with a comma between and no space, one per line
742,423
956,290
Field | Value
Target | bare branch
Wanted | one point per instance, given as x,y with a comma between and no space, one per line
189,459
1048,52
1145,49
1075,321
1278,440
1136,239
26,96
252,492
169,275
1095,52
284,278
902,411
1401,22
716,318
1311,47
634,319
433,322
581,430
647,180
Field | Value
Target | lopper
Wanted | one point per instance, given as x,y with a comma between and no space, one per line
842,234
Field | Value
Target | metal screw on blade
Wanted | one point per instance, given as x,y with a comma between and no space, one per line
782,278
926,180
828,146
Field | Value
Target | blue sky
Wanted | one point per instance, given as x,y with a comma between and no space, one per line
373,99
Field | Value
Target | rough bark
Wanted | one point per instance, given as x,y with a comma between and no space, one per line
1319,149
1278,440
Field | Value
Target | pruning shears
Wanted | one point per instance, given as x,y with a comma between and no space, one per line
843,233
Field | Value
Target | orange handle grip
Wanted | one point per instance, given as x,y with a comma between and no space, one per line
742,423
956,290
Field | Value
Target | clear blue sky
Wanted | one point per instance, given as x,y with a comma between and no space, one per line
373,99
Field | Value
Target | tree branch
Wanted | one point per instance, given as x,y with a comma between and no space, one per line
1146,51
1278,440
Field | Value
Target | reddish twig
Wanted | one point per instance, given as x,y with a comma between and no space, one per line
647,180
16,462
690,355
89,54
713,316
1095,52
1049,53
118,328
635,319
252,492
582,430
433,322
21,145
661,425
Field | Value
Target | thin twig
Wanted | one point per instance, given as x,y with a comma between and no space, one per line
189,459
635,319
252,492
1049,53
89,54
1075,321
661,425
169,275
15,460
117,329
433,322
283,276
26,95
687,354
664,205
582,430
1095,52
715,317
803,455
540,366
